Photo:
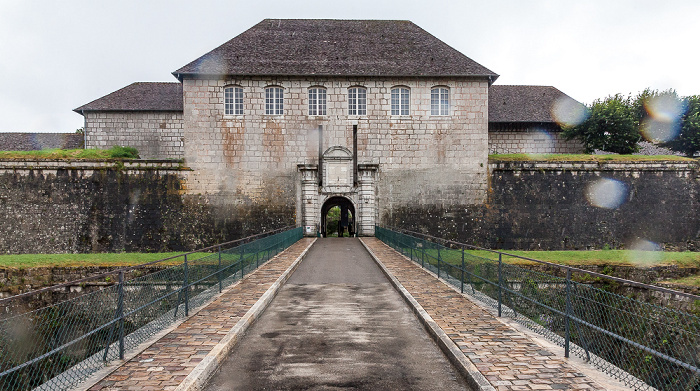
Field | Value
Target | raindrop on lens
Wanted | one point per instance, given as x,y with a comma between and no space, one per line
645,253
568,112
606,193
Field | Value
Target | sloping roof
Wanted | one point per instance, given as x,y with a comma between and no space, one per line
335,48
140,96
524,103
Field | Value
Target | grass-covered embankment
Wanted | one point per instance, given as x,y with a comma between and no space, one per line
569,157
85,260
115,152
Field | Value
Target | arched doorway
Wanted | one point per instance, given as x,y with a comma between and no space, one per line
346,223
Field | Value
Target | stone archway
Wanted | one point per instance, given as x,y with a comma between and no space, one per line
347,209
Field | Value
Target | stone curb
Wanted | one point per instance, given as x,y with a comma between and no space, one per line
199,376
473,376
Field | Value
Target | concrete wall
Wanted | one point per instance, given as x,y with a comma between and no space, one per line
69,207
252,159
560,205
532,141
156,135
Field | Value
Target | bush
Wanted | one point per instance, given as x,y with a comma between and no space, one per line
123,152
610,126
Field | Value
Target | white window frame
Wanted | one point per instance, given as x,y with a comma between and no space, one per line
357,101
317,101
274,100
400,101
233,100
440,101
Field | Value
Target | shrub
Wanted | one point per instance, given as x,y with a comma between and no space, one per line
123,152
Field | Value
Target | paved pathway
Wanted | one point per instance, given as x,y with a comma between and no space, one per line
337,323
167,362
509,359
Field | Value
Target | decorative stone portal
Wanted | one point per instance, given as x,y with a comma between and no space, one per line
340,183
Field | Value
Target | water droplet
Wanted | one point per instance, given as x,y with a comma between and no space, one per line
645,253
568,112
606,193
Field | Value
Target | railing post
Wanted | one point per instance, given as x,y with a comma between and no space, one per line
218,273
567,338
422,257
500,284
185,286
240,261
120,311
438,262
461,280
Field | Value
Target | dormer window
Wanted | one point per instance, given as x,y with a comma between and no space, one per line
357,101
233,100
400,100
439,101
317,101
274,101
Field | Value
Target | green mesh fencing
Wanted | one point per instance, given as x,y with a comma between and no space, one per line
55,346
646,346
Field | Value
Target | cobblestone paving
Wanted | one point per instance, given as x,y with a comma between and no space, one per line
168,361
508,359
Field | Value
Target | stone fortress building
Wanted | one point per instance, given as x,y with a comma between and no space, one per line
293,117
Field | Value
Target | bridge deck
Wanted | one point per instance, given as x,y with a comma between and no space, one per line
508,358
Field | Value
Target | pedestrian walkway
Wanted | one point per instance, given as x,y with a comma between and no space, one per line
337,323
509,359
165,364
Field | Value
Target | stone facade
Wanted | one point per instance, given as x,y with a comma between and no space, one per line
156,135
254,158
531,142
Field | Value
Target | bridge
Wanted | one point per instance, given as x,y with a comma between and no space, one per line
395,311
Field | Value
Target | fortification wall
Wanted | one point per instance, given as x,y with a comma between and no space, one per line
156,135
532,141
560,205
78,206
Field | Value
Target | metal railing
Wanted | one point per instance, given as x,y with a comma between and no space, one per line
59,345
644,345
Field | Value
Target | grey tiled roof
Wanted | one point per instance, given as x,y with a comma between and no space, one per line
139,96
523,103
335,48
39,141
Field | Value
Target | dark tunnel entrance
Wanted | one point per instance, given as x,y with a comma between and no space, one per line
341,220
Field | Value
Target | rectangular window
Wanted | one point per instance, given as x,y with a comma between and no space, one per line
233,101
439,101
274,101
357,101
400,98
317,101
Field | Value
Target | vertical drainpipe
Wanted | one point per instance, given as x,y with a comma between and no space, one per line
354,156
320,155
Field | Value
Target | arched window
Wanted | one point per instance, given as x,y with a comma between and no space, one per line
317,101
274,101
439,101
400,100
233,100
357,101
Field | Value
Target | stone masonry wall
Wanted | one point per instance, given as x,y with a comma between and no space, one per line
252,159
156,135
79,206
566,205
532,142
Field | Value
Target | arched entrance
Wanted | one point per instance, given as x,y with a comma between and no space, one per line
347,216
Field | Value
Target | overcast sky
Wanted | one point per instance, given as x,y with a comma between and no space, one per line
58,55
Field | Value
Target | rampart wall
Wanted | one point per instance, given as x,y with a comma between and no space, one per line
567,205
63,206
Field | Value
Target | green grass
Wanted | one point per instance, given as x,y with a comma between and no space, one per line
72,260
581,258
115,152
517,157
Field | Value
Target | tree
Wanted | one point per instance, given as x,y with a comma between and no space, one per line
610,126
688,140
